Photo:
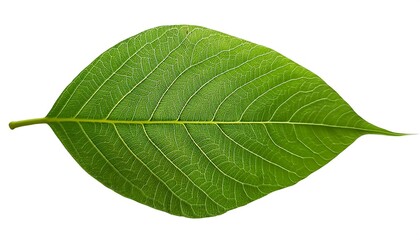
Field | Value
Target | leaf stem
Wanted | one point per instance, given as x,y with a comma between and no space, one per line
27,122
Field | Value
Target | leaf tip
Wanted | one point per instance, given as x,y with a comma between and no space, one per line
405,134
395,134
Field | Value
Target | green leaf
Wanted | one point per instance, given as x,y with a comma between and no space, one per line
195,122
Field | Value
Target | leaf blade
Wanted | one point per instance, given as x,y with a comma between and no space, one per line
195,122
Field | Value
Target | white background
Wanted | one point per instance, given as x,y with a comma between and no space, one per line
368,51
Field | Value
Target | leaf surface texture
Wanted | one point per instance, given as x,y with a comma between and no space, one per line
195,122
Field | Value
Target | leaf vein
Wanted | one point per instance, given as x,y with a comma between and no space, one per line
185,70
215,166
217,76
147,76
185,175
267,91
112,74
147,167
308,104
280,147
289,98
110,164
255,154
245,84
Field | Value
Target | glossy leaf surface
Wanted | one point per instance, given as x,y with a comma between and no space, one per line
195,122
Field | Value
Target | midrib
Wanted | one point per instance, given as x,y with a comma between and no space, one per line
151,122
